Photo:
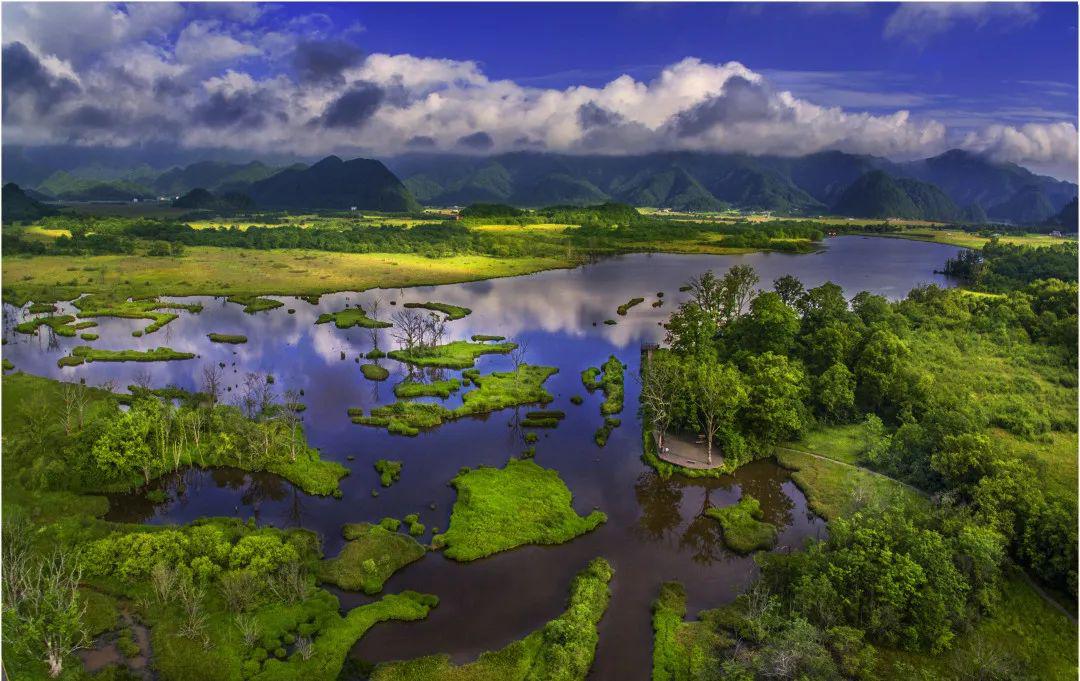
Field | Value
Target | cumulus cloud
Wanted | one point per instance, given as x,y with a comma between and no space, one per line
919,22
215,78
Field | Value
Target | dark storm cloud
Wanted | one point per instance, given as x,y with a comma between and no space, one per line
223,110
421,142
741,101
24,76
322,61
89,116
478,141
592,115
353,108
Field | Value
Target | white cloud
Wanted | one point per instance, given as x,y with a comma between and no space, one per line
203,42
919,22
1044,145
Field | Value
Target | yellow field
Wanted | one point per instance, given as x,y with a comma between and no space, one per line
208,270
546,227
955,237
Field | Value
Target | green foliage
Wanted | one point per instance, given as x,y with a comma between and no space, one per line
372,554
443,389
743,529
562,650
498,509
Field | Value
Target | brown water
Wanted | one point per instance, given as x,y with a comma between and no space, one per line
655,530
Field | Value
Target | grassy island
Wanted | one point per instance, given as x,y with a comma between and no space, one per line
110,305
452,312
453,355
543,654
389,471
234,339
85,353
253,304
371,555
625,307
351,316
498,509
494,391
374,372
62,325
743,530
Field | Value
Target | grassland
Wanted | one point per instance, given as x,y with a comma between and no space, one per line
237,272
562,650
956,237
498,509
371,555
743,530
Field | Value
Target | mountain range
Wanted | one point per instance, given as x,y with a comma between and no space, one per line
954,186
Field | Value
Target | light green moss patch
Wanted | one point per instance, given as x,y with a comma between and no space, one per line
351,316
498,509
373,553
454,355
389,471
742,527
452,312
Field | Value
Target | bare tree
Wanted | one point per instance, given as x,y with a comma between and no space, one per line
290,416
143,380
408,328
108,385
212,376
660,379
517,355
256,395
373,332
75,400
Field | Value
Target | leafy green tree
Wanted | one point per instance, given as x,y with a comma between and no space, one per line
834,394
878,366
774,409
124,447
789,288
719,393
770,326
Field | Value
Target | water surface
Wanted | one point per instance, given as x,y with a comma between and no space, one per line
655,530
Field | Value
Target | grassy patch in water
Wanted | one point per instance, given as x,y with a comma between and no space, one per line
63,325
483,337
416,528
351,316
88,336
407,389
561,650
498,509
374,372
452,312
8,364
612,385
101,305
682,650
85,353
600,437
374,353
543,418
494,391
41,308
625,307
743,530
389,471
370,556
233,338
454,355
253,304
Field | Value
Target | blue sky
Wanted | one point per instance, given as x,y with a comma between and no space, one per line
899,80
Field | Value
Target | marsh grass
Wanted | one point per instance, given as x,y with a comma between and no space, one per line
351,316
234,339
374,372
743,529
370,556
452,312
85,353
453,355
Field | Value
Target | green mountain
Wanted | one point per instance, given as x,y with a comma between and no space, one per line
201,199
212,175
1066,220
70,187
334,184
878,195
16,206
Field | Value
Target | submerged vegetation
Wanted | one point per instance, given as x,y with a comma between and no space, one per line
498,509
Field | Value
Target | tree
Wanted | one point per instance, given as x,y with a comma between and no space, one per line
517,355
737,291
75,400
878,366
770,326
774,410
661,381
212,376
124,447
834,394
290,416
719,394
789,288
691,330
45,616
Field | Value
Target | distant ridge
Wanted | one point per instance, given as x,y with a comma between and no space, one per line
335,184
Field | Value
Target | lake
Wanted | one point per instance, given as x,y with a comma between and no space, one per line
655,530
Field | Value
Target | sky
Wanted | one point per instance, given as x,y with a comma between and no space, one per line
309,79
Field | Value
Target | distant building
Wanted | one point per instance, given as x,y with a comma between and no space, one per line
352,207
1056,233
